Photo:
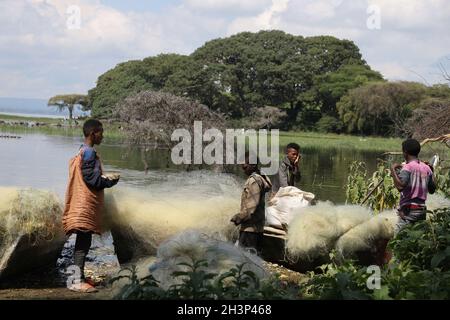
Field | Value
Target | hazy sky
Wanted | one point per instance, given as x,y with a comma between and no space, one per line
49,47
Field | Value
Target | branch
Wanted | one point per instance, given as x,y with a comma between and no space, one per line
444,71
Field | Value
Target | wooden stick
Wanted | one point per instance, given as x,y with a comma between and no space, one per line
370,193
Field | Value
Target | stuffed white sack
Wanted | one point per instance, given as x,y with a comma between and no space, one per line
285,205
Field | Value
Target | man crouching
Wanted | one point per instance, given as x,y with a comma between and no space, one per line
251,217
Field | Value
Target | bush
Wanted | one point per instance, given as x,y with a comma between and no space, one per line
385,196
329,124
150,117
198,284
337,280
425,245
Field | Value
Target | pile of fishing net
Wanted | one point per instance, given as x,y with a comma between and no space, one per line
29,219
155,217
347,228
29,212
437,201
193,246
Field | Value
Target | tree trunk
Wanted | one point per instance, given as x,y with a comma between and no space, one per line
70,108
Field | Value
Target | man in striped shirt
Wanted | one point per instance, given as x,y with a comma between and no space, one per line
414,182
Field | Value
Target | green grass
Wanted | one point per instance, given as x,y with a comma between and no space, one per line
340,141
112,133
304,139
37,119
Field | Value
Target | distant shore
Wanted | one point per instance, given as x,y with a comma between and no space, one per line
32,115
57,126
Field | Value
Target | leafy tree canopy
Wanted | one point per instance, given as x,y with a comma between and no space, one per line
383,108
235,74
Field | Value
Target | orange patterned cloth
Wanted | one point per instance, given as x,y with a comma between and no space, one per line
83,206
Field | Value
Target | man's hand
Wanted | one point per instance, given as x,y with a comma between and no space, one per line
115,181
297,160
236,219
429,164
394,167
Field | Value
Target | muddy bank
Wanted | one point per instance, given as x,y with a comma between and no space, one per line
50,283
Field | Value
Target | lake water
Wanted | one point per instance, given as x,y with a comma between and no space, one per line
41,161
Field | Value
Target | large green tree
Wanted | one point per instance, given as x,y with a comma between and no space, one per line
233,75
115,85
380,108
330,87
131,77
273,67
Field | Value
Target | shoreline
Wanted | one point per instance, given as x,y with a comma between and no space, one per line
307,140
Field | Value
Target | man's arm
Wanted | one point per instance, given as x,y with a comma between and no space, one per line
400,182
92,176
249,201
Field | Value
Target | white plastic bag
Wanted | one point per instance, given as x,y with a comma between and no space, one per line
285,205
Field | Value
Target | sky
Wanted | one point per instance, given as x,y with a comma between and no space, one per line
50,47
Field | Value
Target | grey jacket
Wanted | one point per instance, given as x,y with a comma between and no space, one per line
288,175
252,214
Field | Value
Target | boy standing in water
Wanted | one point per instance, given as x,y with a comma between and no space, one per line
84,199
289,171
414,181
251,217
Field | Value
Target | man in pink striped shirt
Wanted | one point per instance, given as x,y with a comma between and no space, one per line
414,182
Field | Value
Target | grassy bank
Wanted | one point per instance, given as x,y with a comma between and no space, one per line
340,141
51,126
305,139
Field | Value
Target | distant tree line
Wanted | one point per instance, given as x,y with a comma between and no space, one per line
274,79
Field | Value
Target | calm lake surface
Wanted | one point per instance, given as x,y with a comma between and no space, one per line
41,161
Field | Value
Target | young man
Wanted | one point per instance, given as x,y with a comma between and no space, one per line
414,181
251,217
289,171
84,199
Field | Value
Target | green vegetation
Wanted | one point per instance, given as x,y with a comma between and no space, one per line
305,139
52,126
303,77
198,284
419,269
426,245
383,108
274,79
384,194
13,118
340,141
